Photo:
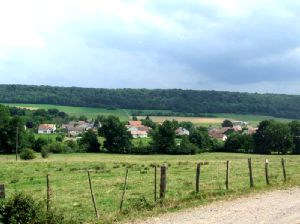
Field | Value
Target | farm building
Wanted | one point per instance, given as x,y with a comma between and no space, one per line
181,131
137,130
220,133
241,123
251,130
76,128
46,128
219,136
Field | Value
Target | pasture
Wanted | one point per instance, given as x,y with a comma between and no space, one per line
77,111
71,194
125,114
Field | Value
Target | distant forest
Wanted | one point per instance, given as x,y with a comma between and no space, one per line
176,100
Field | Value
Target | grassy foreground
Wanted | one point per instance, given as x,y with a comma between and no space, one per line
71,194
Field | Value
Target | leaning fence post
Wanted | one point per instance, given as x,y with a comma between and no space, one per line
227,175
155,183
163,182
48,192
198,178
124,190
2,191
283,169
250,172
92,194
267,170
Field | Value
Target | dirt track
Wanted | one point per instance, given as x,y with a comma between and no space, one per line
282,206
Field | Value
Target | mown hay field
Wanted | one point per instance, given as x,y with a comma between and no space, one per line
71,193
195,120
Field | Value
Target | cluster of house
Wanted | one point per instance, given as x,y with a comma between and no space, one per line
221,134
73,128
138,130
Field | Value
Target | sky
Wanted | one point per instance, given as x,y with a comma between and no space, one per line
233,45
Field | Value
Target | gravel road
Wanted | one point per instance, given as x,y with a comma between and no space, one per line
281,206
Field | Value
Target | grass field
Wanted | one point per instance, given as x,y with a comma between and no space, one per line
71,194
125,114
77,111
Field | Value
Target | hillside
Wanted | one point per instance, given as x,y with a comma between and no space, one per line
177,100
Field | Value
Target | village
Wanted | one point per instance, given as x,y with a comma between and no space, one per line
74,129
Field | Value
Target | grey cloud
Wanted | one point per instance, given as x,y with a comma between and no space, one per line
207,51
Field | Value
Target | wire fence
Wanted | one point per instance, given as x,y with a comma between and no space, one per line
70,192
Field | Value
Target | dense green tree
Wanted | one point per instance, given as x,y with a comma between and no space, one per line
185,147
239,143
90,141
227,123
24,138
189,102
148,122
39,144
83,118
164,138
53,112
117,138
199,136
4,121
4,115
187,125
96,123
295,130
273,137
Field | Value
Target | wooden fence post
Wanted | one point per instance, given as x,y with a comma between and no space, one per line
250,172
267,170
92,194
163,182
198,178
48,192
155,183
227,175
124,190
2,191
283,169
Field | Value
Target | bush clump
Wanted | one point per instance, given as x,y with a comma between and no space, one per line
57,147
24,209
27,154
45,153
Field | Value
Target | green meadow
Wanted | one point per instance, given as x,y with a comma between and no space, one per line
77,111
71,193
125,114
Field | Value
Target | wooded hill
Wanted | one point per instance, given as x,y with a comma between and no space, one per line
177,100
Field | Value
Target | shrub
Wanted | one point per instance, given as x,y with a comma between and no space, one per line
19,209
186,148
45,153
39,144
23,209
27,154
58,147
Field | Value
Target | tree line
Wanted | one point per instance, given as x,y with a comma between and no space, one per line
271,136
175,100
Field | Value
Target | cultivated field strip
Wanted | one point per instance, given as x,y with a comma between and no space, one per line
71,194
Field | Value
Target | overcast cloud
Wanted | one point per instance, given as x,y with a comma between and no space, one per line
233,45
